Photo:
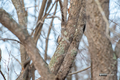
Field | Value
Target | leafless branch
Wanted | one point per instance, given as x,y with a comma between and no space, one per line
30,6
21,12
74,44
0,58
61,8
2,75
24,37
114,22
79,71
16,59
5,39
53,16
39,25
42,10
0,65
46,46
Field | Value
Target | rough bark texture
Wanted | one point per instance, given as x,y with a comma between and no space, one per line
99,45
65,54
65,9
68,34
72,50
22,18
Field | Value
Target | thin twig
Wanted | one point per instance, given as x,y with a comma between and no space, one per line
61,8
30,6
114,22
46,46
37,30
78,71
0,58
0,65
16,59
4,39
53,16
2,75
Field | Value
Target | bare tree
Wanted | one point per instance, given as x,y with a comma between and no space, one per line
85,17
71,35
103,65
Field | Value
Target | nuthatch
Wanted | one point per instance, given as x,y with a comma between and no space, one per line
59,39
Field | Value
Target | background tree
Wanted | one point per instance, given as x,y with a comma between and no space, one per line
100,47
36,28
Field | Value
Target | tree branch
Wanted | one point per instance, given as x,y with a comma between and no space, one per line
65,9
28,42
68,32
22,18
2,75
20,9
78,71
16,60
39,24
4,39
62,13
46,46
73,49
0,65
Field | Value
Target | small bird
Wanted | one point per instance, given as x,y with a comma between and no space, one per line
59,39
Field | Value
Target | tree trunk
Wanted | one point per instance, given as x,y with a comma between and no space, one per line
100,47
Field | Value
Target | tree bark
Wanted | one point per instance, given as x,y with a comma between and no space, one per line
28,43
73,49
22,18
67,37
100,47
